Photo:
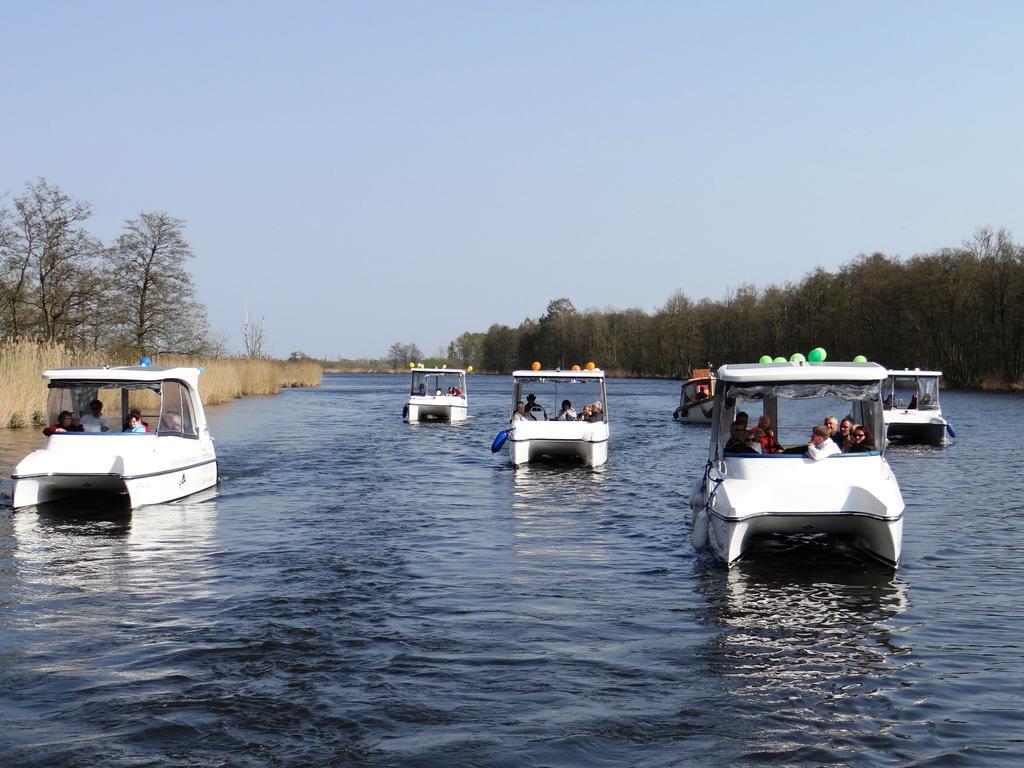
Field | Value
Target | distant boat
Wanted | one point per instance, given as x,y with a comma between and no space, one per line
696,397
912,412
743,494
542,434
437,394
174,459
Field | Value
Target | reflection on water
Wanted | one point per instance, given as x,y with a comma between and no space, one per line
566,486
813,642
557,510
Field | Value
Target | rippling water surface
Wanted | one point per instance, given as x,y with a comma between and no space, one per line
363,591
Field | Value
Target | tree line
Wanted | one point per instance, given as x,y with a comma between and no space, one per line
959,310
59,283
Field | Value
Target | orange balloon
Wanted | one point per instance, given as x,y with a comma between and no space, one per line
591,366
535,366
575,367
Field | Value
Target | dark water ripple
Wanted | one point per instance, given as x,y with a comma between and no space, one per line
363,592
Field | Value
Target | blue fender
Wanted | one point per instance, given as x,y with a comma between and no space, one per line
949,429
499,441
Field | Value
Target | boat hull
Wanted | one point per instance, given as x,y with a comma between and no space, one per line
145,468
851,496
912,428
695,413
441,408
584,442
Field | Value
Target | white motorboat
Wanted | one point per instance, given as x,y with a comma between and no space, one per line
696,397
173,459
437,394
544,431
743,495
912,412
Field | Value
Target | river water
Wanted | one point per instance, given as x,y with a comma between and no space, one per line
360,591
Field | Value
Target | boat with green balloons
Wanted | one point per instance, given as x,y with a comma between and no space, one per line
746,493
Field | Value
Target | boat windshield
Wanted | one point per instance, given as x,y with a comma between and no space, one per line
103,406
794,407
551,392
115,397
910,392
437,383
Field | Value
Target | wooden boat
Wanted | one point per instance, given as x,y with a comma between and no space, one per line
696,397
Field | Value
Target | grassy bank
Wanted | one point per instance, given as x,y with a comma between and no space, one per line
23,390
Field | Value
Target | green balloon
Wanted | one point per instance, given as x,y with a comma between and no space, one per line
817,355
779,360
860,359
765,359
796,357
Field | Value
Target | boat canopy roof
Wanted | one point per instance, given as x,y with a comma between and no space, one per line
701,374
775,373
545,374
437,370
908,373
121,376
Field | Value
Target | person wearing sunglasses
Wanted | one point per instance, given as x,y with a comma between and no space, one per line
861,440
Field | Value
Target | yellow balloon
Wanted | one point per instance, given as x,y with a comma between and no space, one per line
575,367
445,366
412,365
591,366
469,369
535,366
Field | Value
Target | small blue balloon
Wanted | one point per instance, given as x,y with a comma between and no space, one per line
145,361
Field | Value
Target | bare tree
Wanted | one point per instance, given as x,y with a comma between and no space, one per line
48,263
252,336
157,303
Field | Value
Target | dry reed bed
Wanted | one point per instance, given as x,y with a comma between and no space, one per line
23,390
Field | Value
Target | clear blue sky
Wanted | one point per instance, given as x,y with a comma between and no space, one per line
360,173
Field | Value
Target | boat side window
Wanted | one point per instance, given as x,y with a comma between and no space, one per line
176,417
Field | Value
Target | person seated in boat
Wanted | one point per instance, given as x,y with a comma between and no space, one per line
738,439
437,392
421,390
76,422
596,411
535,410
913,403
744,418
170,422
566,413
861,440
586,412
753,440
821,446
831,423
768,442
63,425
95,421
135,422
842,436
520,412
703,393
